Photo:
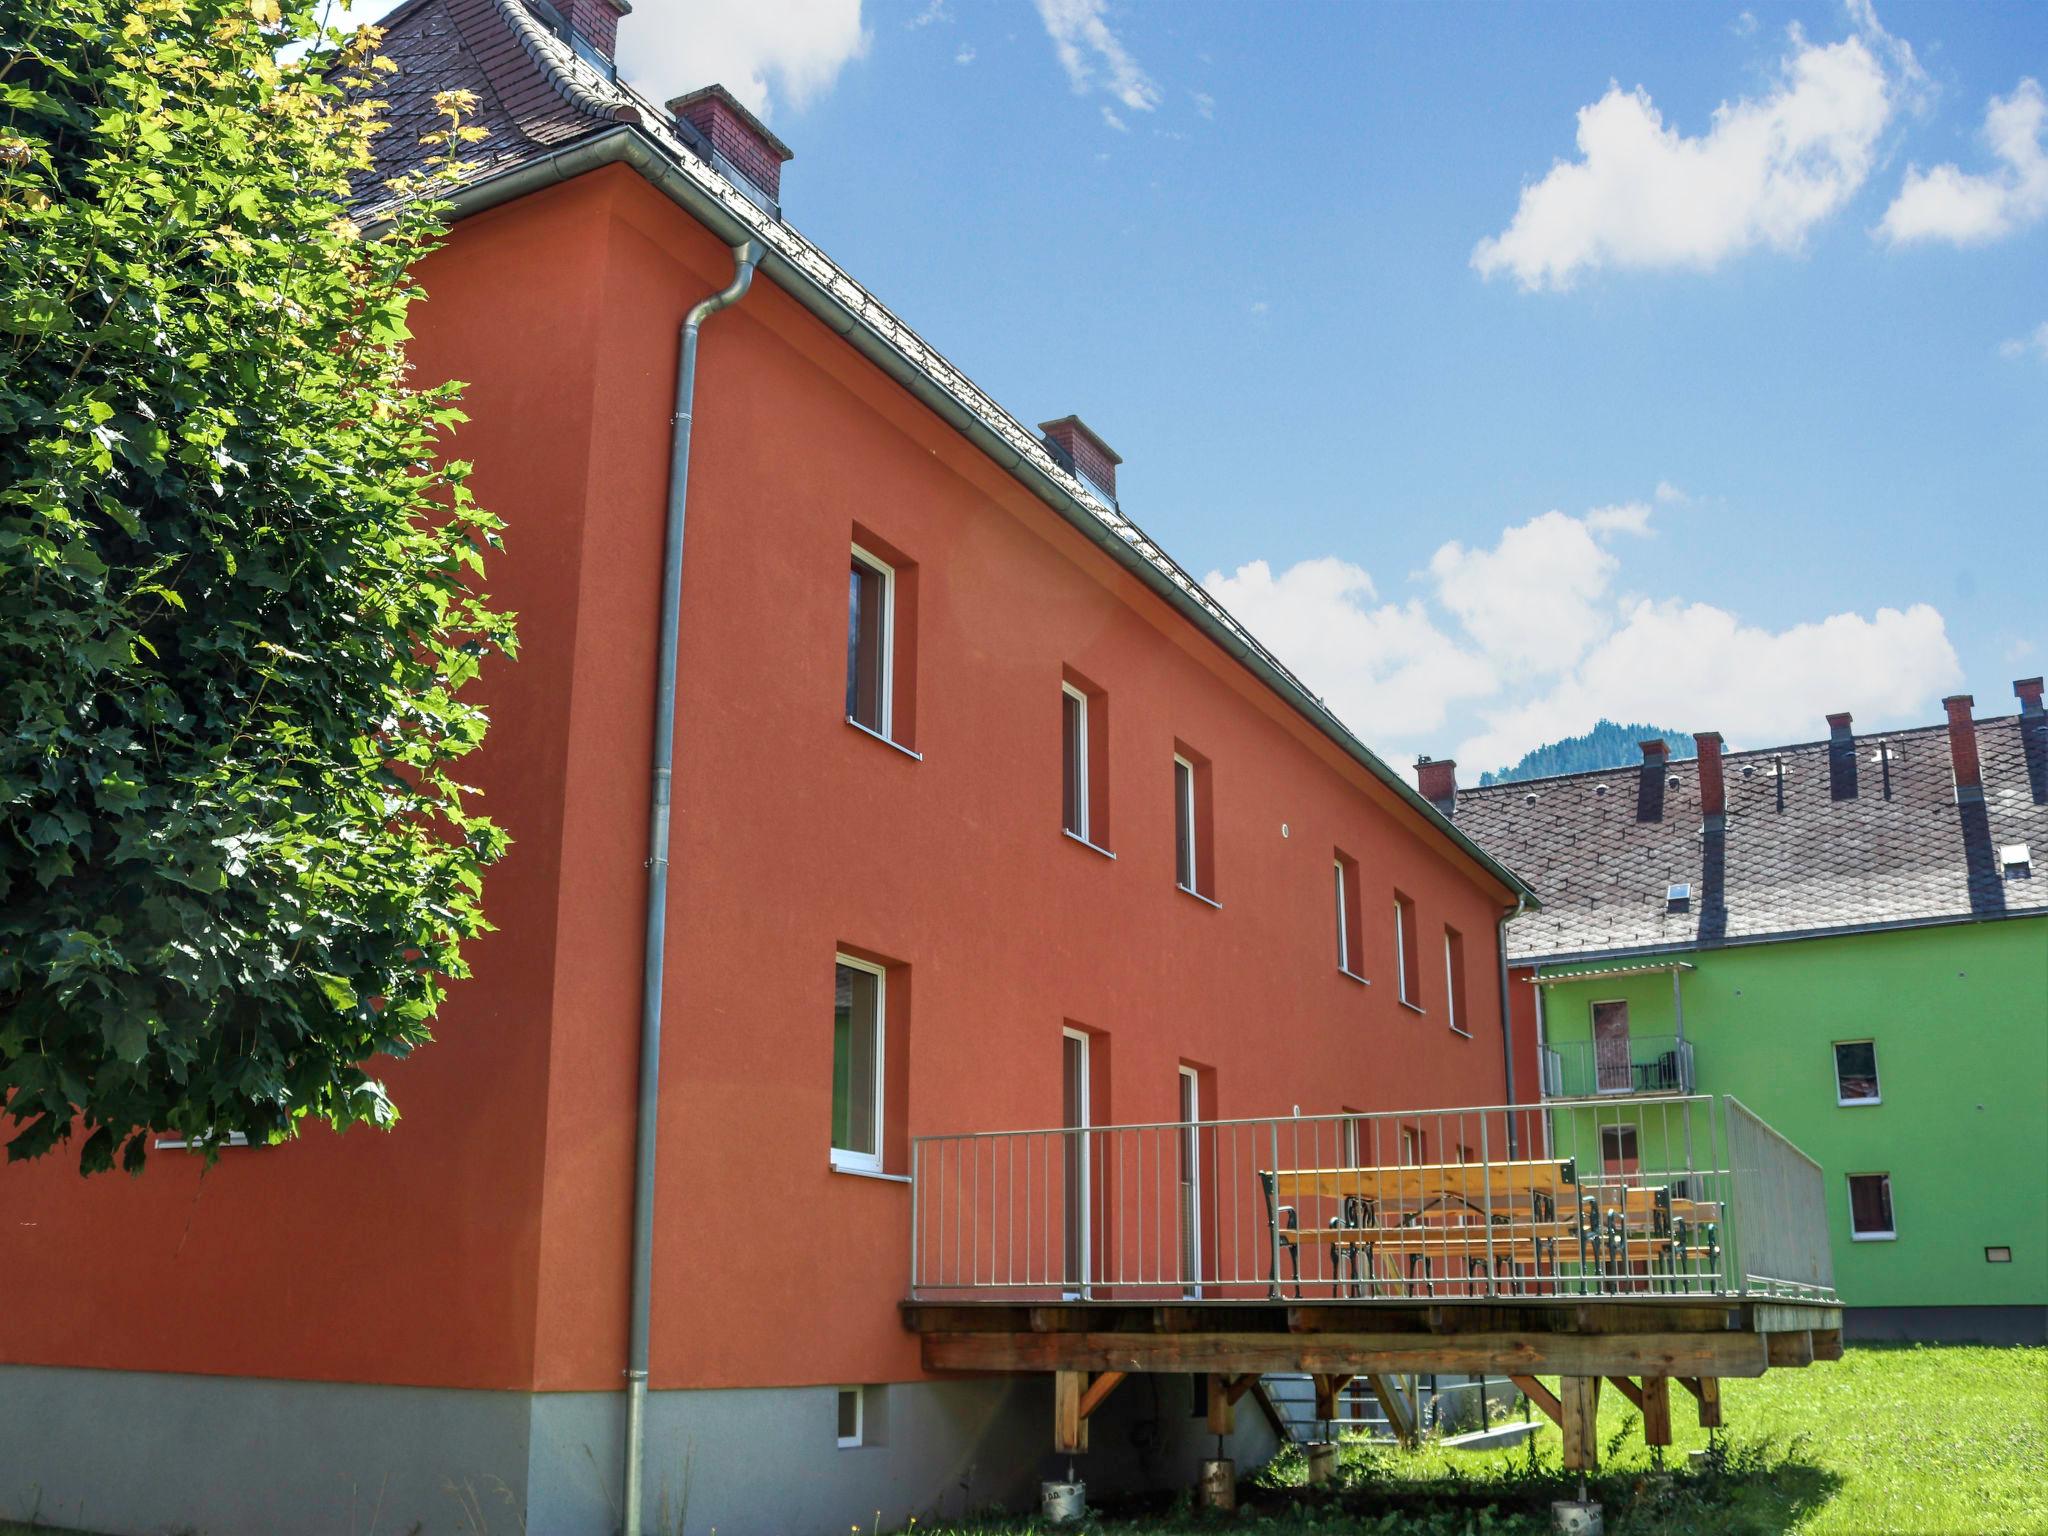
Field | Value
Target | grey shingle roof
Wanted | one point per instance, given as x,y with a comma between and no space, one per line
1797,856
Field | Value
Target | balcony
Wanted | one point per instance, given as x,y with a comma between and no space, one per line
1638,1065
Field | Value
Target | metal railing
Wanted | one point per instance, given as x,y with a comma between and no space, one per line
1640,1064
1598,1198
1781,1226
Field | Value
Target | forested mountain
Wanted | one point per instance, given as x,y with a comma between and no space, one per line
1607,745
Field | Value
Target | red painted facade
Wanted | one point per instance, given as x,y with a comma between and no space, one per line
484,1241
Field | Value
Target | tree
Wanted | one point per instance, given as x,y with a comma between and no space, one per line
239,587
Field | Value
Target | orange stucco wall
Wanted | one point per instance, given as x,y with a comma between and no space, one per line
484,1241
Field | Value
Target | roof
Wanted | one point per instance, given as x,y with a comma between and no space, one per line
1800,854
549,114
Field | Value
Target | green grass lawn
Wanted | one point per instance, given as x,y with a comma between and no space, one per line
1910,1439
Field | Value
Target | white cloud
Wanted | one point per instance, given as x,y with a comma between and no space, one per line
1537,599
1692,666
1386,669
1205,103
1111,120
1671,495
768,53
934,10
1093,55
1642,195
965,55
1964,208
2020,346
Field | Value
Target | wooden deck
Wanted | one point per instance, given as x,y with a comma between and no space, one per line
1639,1345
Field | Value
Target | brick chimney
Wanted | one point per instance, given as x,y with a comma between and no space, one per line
1437,778
1841,757
1076,446
739,141
1713,789
2028,691
595,22
1962,747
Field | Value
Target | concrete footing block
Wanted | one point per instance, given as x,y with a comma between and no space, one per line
1576,1517
1062,1503
1322,1463
1217,1487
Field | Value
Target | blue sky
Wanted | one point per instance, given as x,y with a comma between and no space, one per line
1502,366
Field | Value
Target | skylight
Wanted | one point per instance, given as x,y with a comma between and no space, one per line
2018,864
1677,896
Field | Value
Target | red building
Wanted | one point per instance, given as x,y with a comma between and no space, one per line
974,789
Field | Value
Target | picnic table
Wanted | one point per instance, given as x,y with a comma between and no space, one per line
1535,1218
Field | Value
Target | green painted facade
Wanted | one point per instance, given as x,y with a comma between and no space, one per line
1959,1015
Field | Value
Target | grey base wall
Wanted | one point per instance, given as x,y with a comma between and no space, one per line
140,1454
1945,1325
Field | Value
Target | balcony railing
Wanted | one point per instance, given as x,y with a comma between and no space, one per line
1672,1197
1640,1064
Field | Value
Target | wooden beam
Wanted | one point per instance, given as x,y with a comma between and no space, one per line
1629,1390
1327,1388
1069,1424
1236,1354
1789,1348
1542,1397
1580,1396
1656,1406
1242,1385
1222,1406
1400,1417
1098,1389
1827,1344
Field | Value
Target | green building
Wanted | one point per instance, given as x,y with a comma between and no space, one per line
1851,937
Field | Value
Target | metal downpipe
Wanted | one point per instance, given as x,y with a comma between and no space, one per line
1507,1014
745,258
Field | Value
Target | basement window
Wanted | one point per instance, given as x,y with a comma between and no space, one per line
851,1417
1870,1208
1999,1255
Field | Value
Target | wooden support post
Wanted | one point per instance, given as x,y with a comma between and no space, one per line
1827,1344
1222,1406
1656,1406
1788,1348
1542,1397
1580,1396
1708,1390
1399,1416
1098,1389
1629,1390
1327,1388
1069,1427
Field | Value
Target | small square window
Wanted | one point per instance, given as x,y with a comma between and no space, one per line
1856,1072
1678,896
2017,860
851,1416
1870,1207
1999,1255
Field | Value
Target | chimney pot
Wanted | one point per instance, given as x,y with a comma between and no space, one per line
1074,443
1838,725
1713,789
740,139
1655,750
1437,778
1962,747
2028,691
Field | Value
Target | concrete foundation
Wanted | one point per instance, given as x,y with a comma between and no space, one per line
1945,1325
136,1454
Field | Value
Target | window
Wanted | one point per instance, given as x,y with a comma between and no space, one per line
1194,864
1613,1059
1856,1072
1870,1207
871,643
851,1416
1411,1146
1405,943
857,1055
1084,761
1618,1156
1454,979
1190,1137
1350,941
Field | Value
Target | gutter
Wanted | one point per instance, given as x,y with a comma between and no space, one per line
628,145
1790,936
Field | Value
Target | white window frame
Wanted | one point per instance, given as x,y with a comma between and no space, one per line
1344,960
1877,1076
844,1158
1849,1188
1084,831
1401,957
1191,1144
1084,1110
1451,985
1184,805
860,1418
885,713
